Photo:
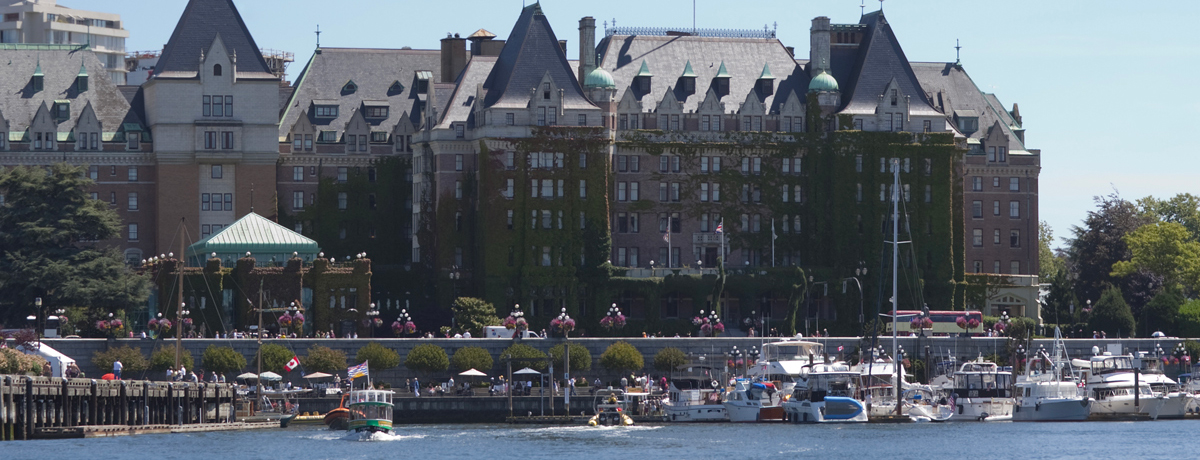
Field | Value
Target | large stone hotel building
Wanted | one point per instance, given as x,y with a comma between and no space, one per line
501,169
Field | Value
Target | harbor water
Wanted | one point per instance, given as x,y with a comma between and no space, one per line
1081,440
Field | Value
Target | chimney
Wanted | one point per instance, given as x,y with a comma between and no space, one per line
562,44
818,53
587,47
454,57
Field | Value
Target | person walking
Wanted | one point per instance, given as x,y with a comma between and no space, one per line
117,366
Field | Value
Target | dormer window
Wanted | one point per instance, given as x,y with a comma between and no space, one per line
423,78
328,136
38,81
376,112
87,141
396,88
349,88
687,81
967,121
720,82
326,111
61,110
81,79
766,81
642,79
216,70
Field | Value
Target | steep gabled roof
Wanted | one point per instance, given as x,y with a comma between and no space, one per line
375,71
60,70
953,91
201,22
531,51
880,60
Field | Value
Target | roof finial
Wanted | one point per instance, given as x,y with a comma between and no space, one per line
318,35
957,52
862,6
880,6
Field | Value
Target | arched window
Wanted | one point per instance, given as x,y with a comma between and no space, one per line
217,70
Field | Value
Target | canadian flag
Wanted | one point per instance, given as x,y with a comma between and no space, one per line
294,363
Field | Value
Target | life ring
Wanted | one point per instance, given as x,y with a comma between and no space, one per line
715,384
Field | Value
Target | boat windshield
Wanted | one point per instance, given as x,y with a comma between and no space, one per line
842,384
791,351
1151,364
1111,363
982,381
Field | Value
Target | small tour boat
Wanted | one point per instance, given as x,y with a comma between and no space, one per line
826,394
370,410
754,402
338,419
611,408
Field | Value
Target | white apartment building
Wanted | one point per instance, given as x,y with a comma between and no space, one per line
44,21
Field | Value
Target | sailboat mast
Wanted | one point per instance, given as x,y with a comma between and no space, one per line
179,303
895,265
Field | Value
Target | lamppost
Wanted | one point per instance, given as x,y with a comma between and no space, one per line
753,354
58,316
1004,322
566,324
861,271
613,320
455,275
402,321
738,356
373,320
1018,355
652,269
1181,354
516,318
752,321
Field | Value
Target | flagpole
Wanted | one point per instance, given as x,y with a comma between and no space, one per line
773,242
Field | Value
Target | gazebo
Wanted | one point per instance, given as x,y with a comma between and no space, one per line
267,241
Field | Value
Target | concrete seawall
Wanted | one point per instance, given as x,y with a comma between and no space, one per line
83,349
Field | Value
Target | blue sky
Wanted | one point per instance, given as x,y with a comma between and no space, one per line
1103,86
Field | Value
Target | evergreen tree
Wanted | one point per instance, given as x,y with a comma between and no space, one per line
1112,315
48,233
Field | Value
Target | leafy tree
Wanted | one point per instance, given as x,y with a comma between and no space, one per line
1162,313
1112,315
378,357
131,358
532,357
1165,249
164,357
48,230
274,357
1049,263
472,314
669,359
1183,209
471,358
1061,305
1189,320
1099,244
222,359
324,359
427,358
581,358
621,357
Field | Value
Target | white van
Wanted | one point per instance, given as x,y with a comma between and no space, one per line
501,332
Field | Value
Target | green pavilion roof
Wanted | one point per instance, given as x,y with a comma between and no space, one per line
254,234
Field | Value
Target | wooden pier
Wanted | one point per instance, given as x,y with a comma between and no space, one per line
51,407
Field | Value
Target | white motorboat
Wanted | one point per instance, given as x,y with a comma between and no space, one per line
1049,391
1177,400
826,394
694,399
979,391
751,401
786,360
1116,389
924,403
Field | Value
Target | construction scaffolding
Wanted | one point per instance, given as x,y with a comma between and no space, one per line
277,60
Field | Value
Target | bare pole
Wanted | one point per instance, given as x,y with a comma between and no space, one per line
179,300
895,265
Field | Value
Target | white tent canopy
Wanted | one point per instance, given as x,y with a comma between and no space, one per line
527,371
472,373
318,375
248,376
270,376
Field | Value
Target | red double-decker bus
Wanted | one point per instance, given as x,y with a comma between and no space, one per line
944,322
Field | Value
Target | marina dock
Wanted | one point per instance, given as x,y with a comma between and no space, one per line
51,407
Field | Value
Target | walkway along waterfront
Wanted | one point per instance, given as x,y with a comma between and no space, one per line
51,407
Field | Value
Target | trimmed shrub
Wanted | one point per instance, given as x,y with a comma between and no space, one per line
274,357
621,357
1112,315
163,358
530,357
324,359
427,358
17,363
581,359
471,358
378,357
132,358
222,359
669,359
